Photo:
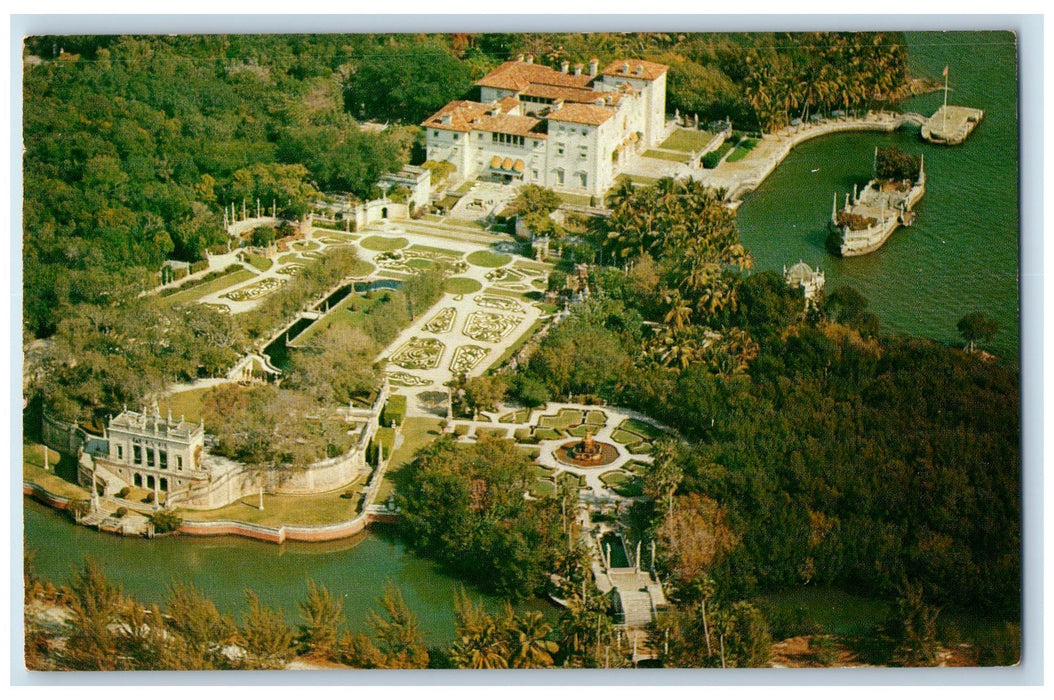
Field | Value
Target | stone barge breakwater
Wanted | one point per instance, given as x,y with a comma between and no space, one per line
746,175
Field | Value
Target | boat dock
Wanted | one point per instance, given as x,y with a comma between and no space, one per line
951,125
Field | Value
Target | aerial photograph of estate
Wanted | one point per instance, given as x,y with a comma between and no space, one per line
602,350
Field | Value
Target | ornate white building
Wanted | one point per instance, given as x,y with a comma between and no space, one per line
570,131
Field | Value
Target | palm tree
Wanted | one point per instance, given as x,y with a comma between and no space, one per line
528,641
680,312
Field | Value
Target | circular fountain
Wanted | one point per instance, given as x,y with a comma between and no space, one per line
587,452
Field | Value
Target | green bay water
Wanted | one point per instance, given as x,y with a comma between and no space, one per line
962,253
355,570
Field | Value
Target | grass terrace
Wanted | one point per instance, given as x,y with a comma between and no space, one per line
195,291
383,243
417,432
351,312
260,262
580,200
282,509
686,141
59,478
184,403
487,258
664,155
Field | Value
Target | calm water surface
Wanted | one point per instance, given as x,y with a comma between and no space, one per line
355,570
962,253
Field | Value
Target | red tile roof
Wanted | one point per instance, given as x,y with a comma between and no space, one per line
647,69
582,114
518,75
461,113
510,124
579,95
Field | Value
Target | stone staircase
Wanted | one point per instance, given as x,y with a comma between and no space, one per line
636,607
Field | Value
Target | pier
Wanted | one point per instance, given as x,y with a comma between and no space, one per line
951,125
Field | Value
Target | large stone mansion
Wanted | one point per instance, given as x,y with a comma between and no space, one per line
567,130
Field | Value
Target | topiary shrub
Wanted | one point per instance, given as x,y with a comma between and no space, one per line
121,512
123,493
711,160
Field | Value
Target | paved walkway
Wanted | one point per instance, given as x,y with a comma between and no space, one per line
745,175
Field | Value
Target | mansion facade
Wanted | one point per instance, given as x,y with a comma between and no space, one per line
568,130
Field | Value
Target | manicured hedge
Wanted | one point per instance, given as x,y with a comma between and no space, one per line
394,410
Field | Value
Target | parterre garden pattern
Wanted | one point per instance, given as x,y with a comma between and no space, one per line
419,353
406,379
490,301
489,327
255,291
443,321
466,357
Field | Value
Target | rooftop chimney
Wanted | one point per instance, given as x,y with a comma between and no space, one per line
563,66
519,58
530,58
625,68
593,62
578,69
640,69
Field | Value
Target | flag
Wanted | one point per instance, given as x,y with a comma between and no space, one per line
945,73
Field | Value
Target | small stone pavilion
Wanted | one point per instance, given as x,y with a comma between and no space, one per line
803,277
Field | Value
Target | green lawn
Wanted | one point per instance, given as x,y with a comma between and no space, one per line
488,258
643,429
636,179
624,437
538,267
737,155
185,403
420,263
597,418
686,140
575,479
547,434
461,285
350,312
565,418
492,432
261,263
305,245
361,268
581,200
542,487
640,448
383,243
615,478
438,251
515,416
197,291
288,258
417,432
61,475
282,509
663,155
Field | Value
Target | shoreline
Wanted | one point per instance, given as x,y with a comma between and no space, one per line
238,528
737,179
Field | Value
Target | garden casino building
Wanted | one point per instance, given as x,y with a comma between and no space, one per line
161,455
567,130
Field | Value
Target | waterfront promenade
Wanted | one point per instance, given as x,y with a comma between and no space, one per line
738,178
747,174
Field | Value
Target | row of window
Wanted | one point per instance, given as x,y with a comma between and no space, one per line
144,457
511,139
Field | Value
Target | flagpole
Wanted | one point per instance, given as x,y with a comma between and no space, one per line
944,118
